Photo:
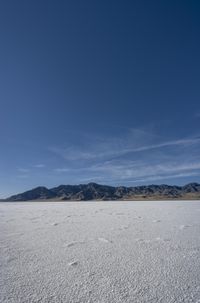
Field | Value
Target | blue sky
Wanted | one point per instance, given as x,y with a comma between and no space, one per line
103,91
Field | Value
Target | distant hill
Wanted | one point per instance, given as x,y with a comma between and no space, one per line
93,191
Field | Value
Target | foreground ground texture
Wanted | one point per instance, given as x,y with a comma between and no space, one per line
106,252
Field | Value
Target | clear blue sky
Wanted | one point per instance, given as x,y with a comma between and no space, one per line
103,91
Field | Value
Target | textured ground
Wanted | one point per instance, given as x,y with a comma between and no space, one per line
106,252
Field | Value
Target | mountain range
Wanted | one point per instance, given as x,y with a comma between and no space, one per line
93,191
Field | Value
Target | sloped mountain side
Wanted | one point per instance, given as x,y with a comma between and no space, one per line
93,191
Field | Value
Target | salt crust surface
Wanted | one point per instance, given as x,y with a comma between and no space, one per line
104,252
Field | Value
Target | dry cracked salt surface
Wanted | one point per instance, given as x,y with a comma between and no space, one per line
108,252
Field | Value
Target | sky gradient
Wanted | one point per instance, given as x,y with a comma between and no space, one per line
99,91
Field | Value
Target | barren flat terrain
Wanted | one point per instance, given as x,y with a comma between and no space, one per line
106,252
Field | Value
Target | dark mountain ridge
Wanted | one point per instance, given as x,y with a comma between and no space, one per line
94,191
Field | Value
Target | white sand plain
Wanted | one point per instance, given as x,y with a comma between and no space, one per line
106,252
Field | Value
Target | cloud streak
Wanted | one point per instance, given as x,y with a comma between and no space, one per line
133,158
159,178
23,170
109,150
39,166
126,171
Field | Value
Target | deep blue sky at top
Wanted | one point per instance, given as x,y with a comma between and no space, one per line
104,91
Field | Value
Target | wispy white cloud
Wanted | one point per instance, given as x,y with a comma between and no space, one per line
115,148
158,178
136,157
39,165
181,142
72,153
94,148
109,172
23,170
127,170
